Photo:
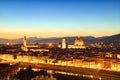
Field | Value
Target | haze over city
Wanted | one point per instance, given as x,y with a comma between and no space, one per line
58,18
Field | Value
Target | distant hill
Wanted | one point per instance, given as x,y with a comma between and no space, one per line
3,41
18,41
111,39
70,40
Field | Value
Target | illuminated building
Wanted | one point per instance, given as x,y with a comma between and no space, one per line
24,41
59,45
31,47
118,56
50,45
63,43
24,46
102,64
79,43
10,43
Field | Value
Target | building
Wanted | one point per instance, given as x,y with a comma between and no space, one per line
63,43
79,43
31,46
25,46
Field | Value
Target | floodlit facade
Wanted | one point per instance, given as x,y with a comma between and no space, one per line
25,46
32,47
79,43
63,43
94,64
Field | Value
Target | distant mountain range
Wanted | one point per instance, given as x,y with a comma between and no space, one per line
70,40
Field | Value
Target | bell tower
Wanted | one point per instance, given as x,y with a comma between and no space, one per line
63,43
25,41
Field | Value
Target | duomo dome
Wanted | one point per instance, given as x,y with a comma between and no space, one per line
79,42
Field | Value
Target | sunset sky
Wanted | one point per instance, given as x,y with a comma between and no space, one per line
58,18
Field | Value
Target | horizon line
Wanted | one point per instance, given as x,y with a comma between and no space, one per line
57,37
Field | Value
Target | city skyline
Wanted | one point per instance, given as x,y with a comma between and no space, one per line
59,18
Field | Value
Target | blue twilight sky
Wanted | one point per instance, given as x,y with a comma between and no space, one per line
58,18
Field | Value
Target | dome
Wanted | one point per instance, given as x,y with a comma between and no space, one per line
79,42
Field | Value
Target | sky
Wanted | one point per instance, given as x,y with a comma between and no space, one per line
59,18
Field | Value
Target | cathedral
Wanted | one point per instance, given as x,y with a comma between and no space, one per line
78,43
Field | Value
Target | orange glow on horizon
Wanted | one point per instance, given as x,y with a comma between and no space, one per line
13,36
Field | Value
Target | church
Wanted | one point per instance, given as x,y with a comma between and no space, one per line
78,44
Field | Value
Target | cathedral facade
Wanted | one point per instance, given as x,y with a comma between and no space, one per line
78,43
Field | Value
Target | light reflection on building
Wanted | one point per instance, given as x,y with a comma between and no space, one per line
25,46
64,43
78,43
32,46
95,64
50,45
